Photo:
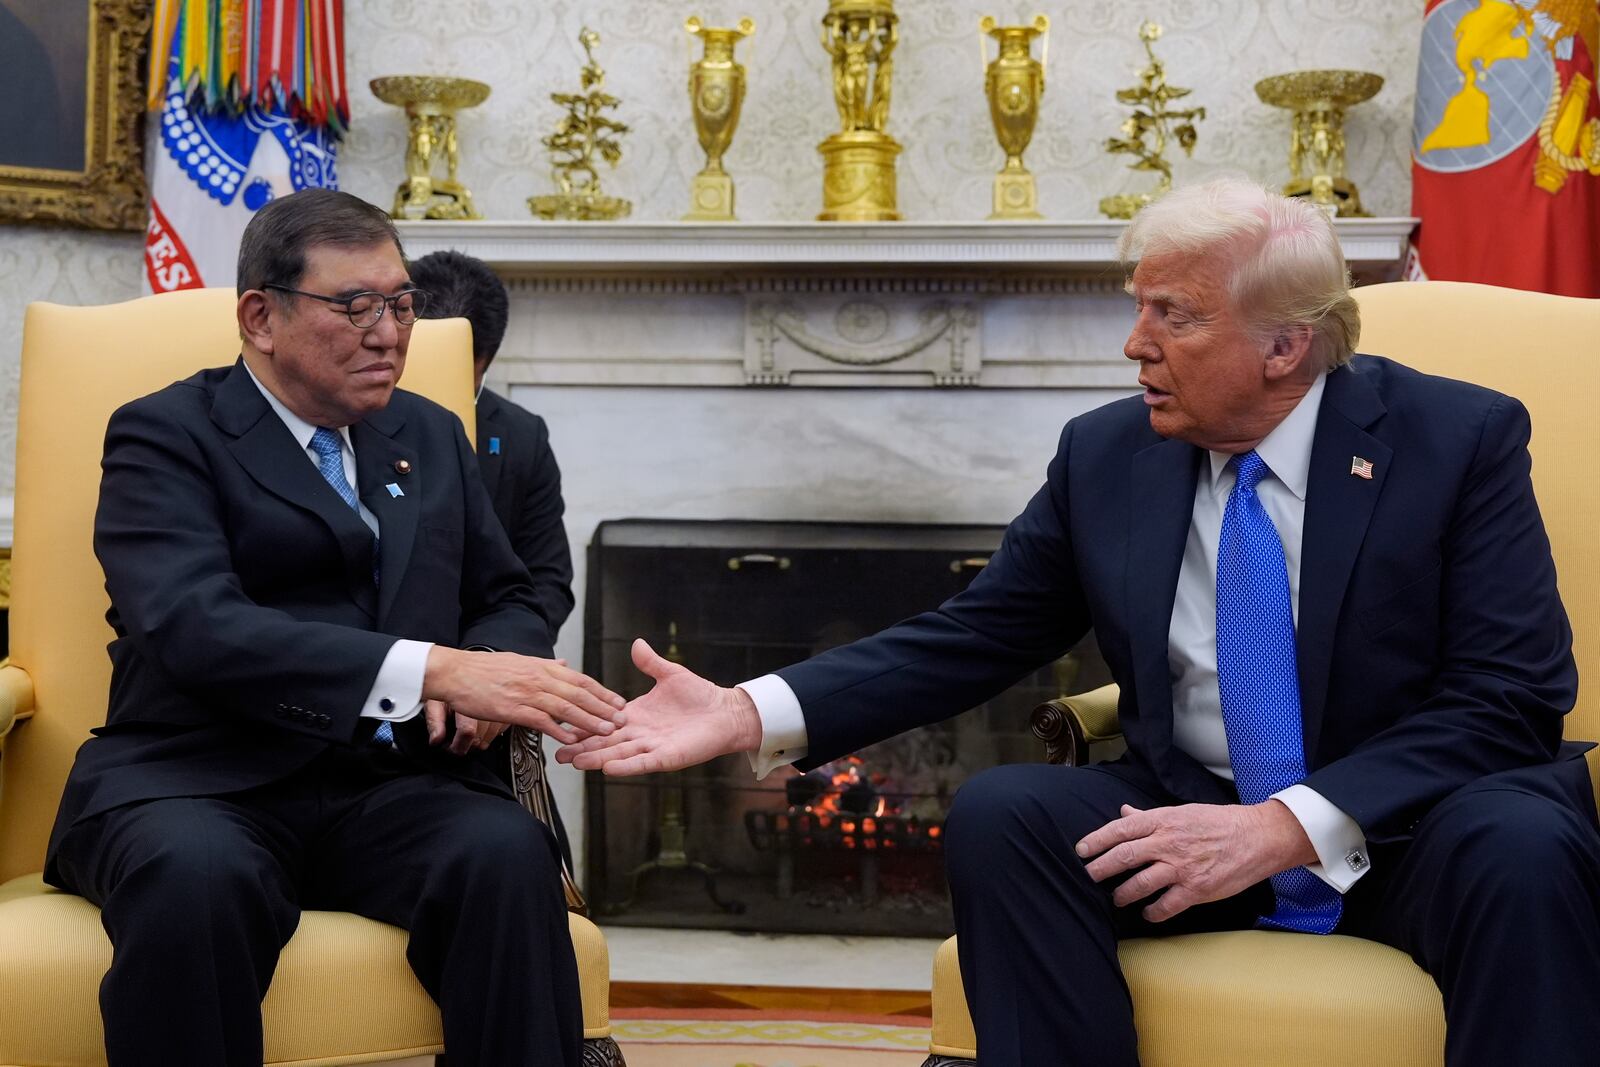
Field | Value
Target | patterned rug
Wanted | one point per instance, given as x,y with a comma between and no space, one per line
704,1037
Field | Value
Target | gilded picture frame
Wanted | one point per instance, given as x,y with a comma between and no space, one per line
106,190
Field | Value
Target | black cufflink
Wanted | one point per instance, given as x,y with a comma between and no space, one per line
386,704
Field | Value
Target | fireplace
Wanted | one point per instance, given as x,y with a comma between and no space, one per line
852,847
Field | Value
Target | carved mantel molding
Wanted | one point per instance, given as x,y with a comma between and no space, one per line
949,305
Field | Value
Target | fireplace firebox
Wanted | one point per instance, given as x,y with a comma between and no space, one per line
854,847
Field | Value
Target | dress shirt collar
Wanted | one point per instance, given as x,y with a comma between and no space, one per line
302,430
1287,449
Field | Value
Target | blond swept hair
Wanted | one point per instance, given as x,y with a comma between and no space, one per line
1286,269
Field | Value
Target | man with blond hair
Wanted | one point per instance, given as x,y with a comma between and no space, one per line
1323,585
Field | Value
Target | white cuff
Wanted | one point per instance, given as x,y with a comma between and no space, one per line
397,691
1340,844
783,724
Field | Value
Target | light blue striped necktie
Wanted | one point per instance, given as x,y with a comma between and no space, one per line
329,448
1259,686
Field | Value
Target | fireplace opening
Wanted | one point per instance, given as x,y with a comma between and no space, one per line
854,847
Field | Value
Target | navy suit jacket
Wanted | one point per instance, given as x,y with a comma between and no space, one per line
520,473
1433,648
249,630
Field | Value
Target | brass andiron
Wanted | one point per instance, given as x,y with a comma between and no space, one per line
716,92
583,138
1145,133
431,105
858,181
672,831
1014,83
1318,99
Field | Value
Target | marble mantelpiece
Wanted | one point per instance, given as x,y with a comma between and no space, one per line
961,304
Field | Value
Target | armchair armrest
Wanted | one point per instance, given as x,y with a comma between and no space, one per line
16,696
1067,725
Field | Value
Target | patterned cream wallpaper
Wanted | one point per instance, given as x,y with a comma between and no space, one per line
526,49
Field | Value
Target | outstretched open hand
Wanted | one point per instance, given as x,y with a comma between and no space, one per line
682,721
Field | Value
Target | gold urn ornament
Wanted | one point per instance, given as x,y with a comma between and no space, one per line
1014,83
1318,99
431,105
1153,125
858,180
583,138
716,93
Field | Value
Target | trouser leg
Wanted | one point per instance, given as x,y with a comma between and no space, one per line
1037,936
475,880
197,897
1498,897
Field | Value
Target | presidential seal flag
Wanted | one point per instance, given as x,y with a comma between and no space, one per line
1506,145
252,101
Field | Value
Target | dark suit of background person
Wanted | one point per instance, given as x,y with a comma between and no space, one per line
236,780
514,457
1432,659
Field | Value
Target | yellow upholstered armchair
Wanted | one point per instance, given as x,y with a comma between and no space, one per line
343,992
1239,998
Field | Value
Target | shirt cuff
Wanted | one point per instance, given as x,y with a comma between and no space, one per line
783,724
1340,844
397,691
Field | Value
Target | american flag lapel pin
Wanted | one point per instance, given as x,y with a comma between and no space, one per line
1361,468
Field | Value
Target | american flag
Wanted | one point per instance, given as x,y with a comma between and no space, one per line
1361,468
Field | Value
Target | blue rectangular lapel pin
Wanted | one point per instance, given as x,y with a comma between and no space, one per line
394,490
494,446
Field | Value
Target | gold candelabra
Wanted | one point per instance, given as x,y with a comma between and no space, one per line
431,105
1318,99
716,93
583,137
858,180
1145,133
1014,83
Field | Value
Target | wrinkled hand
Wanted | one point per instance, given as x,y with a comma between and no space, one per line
503,687
1196,852
682,721
469,733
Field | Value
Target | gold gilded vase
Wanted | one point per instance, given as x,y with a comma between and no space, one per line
1014,83
858,180
716,92
431,105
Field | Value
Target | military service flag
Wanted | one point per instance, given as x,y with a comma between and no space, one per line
1506,145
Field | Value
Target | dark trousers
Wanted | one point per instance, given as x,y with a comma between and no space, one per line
199,895
1497,897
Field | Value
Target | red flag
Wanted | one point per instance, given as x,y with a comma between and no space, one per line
1506,145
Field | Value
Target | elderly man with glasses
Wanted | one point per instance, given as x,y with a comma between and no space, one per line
317,617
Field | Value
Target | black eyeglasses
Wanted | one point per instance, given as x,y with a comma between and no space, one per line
366,309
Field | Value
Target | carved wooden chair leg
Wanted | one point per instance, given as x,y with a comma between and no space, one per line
531,780
603,1052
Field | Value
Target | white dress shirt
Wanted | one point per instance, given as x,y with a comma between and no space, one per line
397,690
1191,643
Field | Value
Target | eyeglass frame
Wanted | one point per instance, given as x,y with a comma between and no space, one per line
385,303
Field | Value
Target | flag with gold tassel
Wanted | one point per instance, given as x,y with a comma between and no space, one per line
252,102
1506,145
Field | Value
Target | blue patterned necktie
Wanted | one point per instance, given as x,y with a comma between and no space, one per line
1257,680
329,448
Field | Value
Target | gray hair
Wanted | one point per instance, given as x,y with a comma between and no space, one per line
1287,268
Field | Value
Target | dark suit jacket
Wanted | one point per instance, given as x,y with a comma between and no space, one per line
1433,647
249,630
525,485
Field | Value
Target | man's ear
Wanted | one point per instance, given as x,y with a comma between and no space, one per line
256,311
1289,354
